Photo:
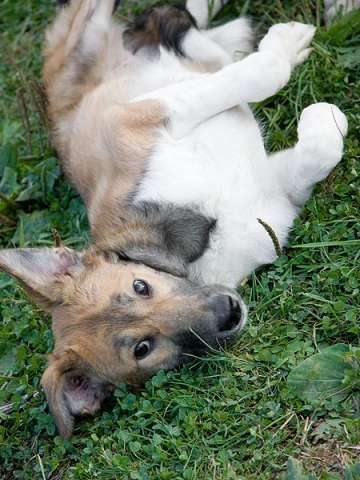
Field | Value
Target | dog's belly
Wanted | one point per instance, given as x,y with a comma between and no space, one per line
222,169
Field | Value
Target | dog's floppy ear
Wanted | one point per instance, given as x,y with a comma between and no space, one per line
42,271
72,389
174,236
156,258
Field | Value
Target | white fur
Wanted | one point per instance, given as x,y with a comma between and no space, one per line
204,10
235,37
211,154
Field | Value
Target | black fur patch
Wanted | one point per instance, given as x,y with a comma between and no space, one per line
167,237
161,25
184,232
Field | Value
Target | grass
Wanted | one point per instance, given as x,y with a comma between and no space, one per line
233,415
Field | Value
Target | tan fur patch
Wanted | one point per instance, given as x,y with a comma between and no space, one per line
130,134
103,148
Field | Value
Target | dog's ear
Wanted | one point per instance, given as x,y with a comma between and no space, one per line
42,271
154,257
173,236
185,232
72,389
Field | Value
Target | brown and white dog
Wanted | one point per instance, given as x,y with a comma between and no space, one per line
152,126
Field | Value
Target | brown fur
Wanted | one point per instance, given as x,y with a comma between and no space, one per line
103,167
137,125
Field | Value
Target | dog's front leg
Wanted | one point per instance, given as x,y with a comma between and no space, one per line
257,77
321,133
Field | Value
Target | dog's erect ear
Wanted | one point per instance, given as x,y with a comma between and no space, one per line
42,271
72,389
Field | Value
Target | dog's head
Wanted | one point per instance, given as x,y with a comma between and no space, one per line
119,318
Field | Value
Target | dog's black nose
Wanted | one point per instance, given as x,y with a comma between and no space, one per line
230,315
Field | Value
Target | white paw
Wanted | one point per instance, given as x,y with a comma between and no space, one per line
321,131
290,40
323,119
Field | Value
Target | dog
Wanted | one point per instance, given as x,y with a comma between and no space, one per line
152,125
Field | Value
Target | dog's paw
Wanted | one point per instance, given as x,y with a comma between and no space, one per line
323,119
321,131
290,40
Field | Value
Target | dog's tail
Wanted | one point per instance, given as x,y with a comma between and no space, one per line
75,51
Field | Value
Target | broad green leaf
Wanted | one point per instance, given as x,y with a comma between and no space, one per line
30,193
40,181
353,473
349,57
5,280
7,362
8,184
7,157
321,376
338,349
32,228
10,131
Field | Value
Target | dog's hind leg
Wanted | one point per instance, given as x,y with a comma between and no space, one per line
236,37
204,10
321,133
199,47
75,51
221,45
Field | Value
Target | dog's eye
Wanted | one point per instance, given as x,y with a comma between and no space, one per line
143,349
141,288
